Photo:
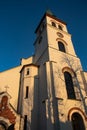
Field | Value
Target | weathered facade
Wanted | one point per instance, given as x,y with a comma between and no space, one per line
48,91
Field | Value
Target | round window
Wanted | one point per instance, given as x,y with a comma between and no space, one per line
60,35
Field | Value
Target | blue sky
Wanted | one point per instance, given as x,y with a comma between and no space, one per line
19,19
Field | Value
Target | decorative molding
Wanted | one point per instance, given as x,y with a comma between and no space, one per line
5,110
76,109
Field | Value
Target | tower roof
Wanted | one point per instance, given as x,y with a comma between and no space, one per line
50,14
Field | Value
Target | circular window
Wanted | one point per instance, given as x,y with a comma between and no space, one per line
60,35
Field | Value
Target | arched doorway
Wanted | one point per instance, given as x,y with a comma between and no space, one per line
77,122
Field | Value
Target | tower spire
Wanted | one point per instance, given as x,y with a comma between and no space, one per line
49,12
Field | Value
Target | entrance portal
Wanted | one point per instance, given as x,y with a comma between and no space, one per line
77,122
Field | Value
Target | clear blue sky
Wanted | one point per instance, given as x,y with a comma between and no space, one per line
19,19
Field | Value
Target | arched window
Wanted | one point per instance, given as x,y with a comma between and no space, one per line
60,27
69,85
61,47
77,122
53,24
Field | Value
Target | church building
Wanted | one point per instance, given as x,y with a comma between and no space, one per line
47,91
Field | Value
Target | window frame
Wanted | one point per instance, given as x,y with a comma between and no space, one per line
27,92
25,122
28,71
60,27
69,85
61,46
53,24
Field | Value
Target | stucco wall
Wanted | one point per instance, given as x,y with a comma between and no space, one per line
10,79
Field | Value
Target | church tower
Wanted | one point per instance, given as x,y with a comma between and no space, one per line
47,91
61,84
52,91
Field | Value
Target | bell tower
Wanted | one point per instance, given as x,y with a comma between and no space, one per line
61,87
51,37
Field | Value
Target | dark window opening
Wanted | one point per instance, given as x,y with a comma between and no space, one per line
28,72
27,89
77,122
69,85
43,25
53,24
41,28
60,27
25,122
43,101
61,47
40,39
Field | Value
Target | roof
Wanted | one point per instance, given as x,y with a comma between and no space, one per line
5,92
28,65
51,15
